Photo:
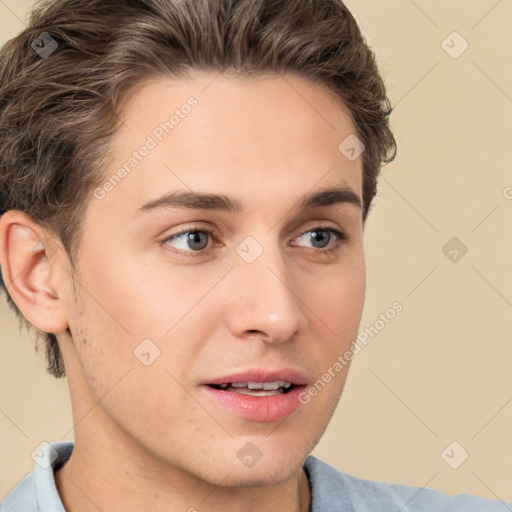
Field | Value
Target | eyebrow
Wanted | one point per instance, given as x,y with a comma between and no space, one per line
216,202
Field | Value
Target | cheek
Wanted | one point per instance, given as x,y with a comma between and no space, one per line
120,377
152,298
133,300
338,298
336,307
129,314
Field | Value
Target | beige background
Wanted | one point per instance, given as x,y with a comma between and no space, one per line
440,371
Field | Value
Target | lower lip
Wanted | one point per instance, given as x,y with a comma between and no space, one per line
258,408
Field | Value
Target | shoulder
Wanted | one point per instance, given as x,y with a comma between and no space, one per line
335,490
37,492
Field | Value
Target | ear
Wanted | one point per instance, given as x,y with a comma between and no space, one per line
29,262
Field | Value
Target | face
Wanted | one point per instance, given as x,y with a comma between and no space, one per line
202,320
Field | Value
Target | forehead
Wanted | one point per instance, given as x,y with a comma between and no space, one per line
273,135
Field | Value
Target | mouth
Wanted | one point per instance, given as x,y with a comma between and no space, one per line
257,395
277,387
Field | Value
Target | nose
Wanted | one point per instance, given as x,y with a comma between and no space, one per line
264,303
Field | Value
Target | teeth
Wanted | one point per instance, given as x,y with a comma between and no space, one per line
272,385
258,385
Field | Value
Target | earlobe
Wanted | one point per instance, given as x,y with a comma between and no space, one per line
28,261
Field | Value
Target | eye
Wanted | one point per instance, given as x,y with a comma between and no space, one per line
195,240
325,239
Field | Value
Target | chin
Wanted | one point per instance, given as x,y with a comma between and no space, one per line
263,474
259,462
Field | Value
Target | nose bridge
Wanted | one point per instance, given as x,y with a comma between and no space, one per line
264,299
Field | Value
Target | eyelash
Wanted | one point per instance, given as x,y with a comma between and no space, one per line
340,239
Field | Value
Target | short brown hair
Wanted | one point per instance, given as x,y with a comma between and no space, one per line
59,111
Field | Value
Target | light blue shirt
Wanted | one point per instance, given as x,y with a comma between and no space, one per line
331,490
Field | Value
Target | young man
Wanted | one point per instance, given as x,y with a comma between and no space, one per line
184,186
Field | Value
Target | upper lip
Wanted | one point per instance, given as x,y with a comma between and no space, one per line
262,375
